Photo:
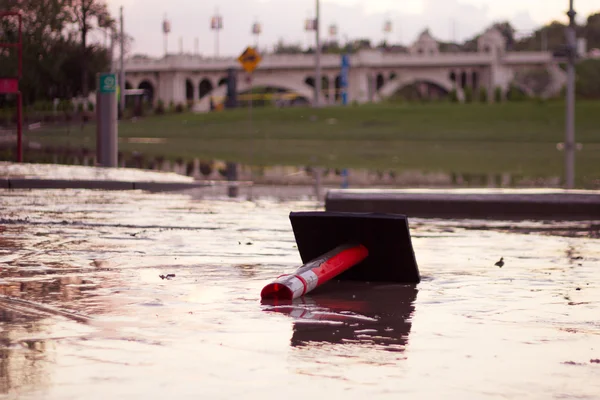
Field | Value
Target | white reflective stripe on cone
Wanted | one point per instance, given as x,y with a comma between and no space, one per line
293,283
312,280
299,284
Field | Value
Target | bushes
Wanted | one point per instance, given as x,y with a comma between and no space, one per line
453,96
483,95
160,108
588,79
468,95
498,94
515,94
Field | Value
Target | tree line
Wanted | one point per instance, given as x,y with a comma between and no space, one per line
550,37
58,59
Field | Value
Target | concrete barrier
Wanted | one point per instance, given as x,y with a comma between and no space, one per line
503,204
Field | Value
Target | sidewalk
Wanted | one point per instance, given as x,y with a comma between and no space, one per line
54,176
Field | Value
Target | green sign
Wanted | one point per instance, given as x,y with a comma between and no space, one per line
107,83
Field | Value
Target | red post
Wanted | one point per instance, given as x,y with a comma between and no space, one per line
19,127
11,85
20,46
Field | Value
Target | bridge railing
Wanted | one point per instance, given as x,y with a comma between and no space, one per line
365,58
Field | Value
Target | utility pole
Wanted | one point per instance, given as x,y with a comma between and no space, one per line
166,31
216,24
570,111
318,83
256,31
122,72
113,36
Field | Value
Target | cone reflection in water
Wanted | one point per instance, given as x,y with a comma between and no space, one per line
351,313
315,273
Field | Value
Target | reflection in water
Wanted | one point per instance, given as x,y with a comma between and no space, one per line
22,363
352,312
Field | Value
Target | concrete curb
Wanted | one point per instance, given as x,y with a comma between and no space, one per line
475,204
36,183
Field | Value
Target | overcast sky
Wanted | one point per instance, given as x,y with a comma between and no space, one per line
284,19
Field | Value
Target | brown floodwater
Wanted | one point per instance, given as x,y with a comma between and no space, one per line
85,313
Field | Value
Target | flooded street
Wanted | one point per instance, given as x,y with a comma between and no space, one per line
85,313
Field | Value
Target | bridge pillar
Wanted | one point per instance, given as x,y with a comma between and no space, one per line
331,92
196,83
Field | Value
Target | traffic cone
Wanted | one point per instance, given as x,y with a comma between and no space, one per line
315,273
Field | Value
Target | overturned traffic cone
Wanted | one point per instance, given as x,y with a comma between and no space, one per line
347,246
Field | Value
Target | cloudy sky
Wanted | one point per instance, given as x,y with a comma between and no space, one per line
284,19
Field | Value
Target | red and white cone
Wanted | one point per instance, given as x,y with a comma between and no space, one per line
315,273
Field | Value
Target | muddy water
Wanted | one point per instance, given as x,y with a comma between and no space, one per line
84,312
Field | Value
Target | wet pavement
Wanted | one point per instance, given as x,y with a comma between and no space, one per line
80,172
85,313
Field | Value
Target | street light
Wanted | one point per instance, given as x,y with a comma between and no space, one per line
333,31
570,100
216,24
166,30
122,61
387,29
256,31
310,25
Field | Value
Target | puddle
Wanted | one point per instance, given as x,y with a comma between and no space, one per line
84,312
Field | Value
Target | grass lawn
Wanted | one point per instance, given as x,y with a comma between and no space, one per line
515,138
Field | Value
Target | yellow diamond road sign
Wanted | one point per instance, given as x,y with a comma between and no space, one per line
249,59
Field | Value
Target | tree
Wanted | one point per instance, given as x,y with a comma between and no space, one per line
508,31
283,48
592,31
553,35
51,50
84,13
588,79
45,25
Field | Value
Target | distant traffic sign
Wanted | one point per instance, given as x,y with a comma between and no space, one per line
249,59
9,85
108,83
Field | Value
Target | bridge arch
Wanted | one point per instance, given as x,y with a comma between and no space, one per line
293,85
137,80
205,87
391,87
149,90
190,92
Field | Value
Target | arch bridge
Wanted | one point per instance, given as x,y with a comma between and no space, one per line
374,74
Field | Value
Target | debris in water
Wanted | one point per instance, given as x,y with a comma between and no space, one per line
168,276
500,263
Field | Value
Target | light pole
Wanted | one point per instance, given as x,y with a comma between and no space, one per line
122,62
387,29
333,31
570,106
318,83
216,24
166,31
256,31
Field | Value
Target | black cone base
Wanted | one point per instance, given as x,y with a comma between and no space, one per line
387,237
